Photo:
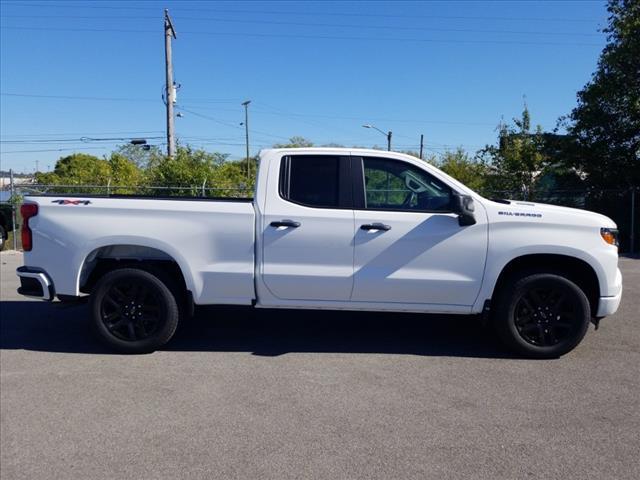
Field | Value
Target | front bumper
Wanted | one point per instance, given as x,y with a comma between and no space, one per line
35,283
609,305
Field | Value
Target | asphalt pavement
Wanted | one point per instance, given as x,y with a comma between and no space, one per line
243,394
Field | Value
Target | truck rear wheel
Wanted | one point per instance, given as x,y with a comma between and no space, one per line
133,311
542,315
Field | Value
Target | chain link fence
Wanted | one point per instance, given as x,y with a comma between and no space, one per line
619,204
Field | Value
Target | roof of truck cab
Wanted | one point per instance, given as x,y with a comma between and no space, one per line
337,151
270,152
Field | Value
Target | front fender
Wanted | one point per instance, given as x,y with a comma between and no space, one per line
497,262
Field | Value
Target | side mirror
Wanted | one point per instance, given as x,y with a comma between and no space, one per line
463,206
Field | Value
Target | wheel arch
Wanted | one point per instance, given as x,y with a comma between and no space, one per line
108,256
575,269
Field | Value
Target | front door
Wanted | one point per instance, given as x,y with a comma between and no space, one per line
409,247
308,230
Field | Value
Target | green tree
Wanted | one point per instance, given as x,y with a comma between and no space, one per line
295,142
125,173
83,169
188,168
192,169
606,122
519,159
77,169
230,178
460,166
140,155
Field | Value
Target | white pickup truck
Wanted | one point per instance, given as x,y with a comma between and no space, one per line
327,229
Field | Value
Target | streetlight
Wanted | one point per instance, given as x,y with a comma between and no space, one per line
386,134
246,136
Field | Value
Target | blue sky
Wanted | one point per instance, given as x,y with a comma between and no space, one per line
449,70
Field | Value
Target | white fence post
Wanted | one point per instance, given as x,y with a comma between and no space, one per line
633,219
13,209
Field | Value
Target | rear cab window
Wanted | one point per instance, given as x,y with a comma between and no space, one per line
319,181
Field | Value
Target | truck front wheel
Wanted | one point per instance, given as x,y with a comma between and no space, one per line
542,315
133,311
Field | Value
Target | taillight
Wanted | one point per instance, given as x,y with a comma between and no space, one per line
27,210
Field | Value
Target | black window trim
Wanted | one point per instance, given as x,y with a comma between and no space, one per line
345,185
359,194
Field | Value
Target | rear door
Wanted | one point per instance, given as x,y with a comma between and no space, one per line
409,247
308,230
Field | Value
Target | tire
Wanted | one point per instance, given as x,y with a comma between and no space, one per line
541,315
133,311
3,238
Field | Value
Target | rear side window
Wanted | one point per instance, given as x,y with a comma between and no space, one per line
313,180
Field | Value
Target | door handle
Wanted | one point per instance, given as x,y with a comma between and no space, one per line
375,226
285,223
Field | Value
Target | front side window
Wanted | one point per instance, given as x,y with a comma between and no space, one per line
311,180
396,185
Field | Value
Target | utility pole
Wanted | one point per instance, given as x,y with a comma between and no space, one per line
421,144
246,137
389,140
37,166
169,88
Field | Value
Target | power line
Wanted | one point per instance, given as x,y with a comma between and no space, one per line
322,25
54,150
385,27
384,15
434,149
314,37
313,123
114,99
378,119
206,117
313,14
76,97
81,139
19,135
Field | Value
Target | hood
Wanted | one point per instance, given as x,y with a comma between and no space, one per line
558,213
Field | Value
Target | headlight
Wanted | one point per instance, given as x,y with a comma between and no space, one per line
610,235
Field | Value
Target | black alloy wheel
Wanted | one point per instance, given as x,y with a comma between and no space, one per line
541,315
133,311
546,316
130,310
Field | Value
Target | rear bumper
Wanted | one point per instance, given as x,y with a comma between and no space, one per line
35,283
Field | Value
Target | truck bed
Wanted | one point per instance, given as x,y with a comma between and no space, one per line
211,240
144,197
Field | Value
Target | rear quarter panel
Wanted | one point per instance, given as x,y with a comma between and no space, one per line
212,241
